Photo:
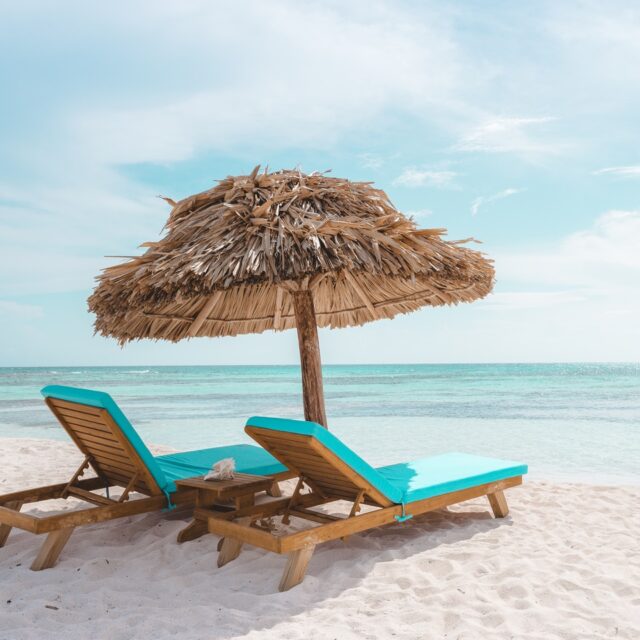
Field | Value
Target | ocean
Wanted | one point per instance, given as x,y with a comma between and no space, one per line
569,422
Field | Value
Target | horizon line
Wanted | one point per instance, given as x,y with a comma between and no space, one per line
326,364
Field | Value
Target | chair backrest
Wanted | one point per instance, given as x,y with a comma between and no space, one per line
102,432
327,464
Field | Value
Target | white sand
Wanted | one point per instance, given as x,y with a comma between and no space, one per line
565,564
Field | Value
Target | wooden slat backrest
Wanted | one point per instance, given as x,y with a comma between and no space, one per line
97,435
325,472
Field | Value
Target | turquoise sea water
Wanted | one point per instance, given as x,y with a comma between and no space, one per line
578,422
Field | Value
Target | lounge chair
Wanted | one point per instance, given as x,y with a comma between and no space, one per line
333,472
119,458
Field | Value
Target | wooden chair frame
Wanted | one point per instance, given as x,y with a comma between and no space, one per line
60,526
114,461
304,455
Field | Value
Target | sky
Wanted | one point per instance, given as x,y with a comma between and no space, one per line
515,123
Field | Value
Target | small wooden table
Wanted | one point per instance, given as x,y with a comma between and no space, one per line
221,495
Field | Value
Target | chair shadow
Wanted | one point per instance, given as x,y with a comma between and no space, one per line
358,557
335,567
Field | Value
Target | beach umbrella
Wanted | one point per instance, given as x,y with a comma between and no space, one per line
274,251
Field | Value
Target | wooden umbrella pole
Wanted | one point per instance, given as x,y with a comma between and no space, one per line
309,344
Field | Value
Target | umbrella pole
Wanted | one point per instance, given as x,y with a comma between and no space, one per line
309,345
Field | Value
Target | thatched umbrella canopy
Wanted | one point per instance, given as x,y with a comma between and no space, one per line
282,250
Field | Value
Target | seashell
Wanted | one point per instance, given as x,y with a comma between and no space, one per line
222,470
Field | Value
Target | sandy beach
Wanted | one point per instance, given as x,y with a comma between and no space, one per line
564,564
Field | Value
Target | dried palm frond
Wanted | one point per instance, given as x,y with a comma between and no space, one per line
232,256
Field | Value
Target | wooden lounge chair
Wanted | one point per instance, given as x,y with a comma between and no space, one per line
333,472
119,458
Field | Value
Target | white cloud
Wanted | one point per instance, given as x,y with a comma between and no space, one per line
371,161
514,300
20,310
412,177
631,171
613,241
54,238
602,261
602,43
304,93
482,201
576,301
509,135
419,214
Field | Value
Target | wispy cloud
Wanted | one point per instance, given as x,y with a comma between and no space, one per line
371,161
630,171
378,59
603,258
482,201
419,214
69,231
508,135
514,300
414,177
20,310
581,292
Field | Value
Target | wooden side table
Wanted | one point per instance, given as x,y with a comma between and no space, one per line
221,495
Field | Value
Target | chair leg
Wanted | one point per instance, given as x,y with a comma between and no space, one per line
194,530
296,567
51,548
498,504
5,529
229,548
275,491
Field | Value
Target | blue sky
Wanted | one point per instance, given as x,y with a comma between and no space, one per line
515,123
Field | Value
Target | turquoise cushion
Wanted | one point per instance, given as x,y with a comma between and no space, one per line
105,401
448,472
409,481
248,459
333,444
